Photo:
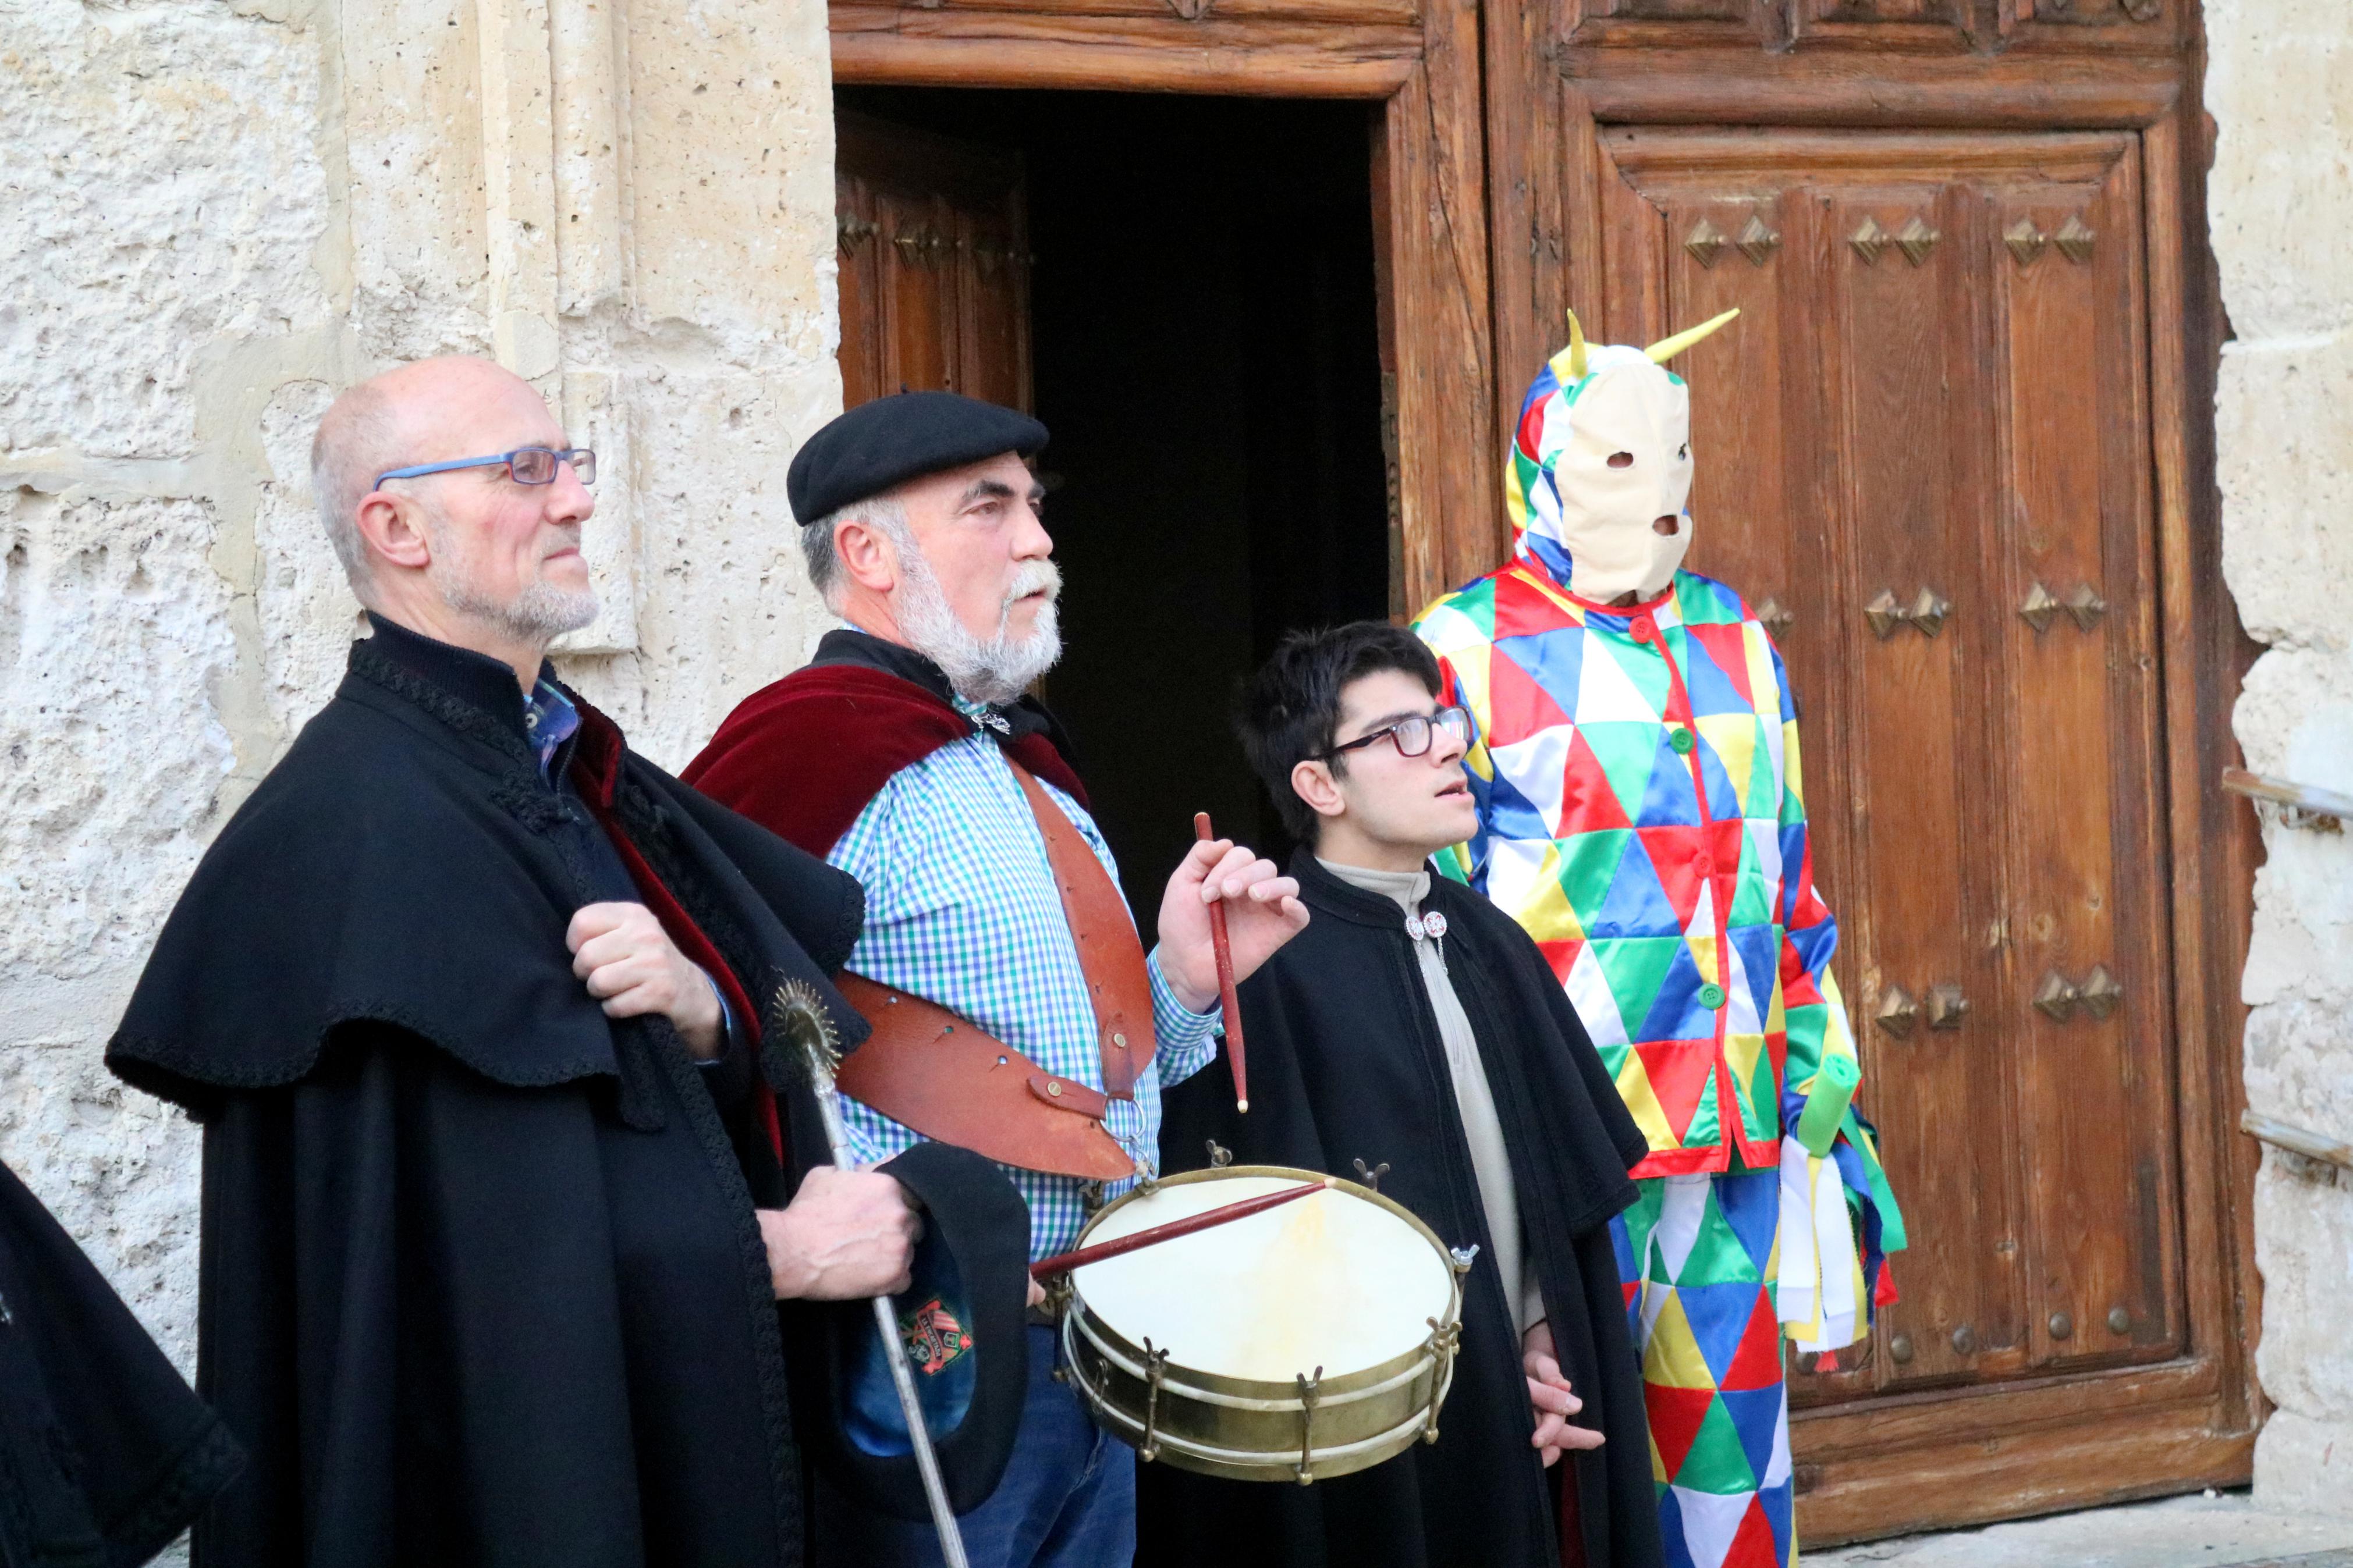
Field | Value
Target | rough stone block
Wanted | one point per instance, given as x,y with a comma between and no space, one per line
2284,425
160,187
2305,1466
2279,82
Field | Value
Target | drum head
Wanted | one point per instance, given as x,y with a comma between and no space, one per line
1331,1281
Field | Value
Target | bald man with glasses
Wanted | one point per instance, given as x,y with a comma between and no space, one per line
495,1192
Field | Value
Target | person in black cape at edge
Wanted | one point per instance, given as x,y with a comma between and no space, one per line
104,1454
500,1189
1413,1026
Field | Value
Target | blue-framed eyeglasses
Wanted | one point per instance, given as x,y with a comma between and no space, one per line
524,465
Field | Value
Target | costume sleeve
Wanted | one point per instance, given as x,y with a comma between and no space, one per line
1839,1218
1464,648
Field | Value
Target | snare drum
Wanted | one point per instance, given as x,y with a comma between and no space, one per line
1307,1342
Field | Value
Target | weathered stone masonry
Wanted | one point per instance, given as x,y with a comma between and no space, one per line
2280,86
213,214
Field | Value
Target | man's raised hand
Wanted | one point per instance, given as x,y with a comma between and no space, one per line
846,1235
1262,912
630,965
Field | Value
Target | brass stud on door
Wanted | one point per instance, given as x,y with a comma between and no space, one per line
1705,243
1916,239
1929,611
2062,1325
1897,1012
1965,1341
2119,1320
2056,997
2086,606
2026,242
1899,1349
1947,1006
2100,992
1757,241
2040,608
2074,240
1884,613
1773,616
1870,241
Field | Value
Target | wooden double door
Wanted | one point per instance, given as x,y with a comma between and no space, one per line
1953,450
1925,450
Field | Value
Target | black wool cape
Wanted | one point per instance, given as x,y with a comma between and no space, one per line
1345,1063
481,1281
104,1454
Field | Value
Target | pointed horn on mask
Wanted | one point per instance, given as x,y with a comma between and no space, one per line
1666,349
1568,366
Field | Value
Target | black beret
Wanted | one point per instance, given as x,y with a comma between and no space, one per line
891,440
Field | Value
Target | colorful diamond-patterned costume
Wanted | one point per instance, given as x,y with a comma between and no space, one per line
1641,815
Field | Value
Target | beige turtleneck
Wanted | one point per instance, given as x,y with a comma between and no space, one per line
1483,1130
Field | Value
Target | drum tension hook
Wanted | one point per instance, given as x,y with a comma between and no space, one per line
1372,1178
1309,1388
1464,1257
1220,1155
1156,1367
1444,1339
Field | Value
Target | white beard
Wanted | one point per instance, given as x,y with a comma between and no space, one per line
996,671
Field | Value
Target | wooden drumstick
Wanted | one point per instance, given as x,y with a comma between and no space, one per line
1063,1262
1233,1007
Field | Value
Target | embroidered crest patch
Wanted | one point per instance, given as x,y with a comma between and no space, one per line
934,1338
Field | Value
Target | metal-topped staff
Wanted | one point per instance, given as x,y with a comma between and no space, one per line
805,1022
1232,1004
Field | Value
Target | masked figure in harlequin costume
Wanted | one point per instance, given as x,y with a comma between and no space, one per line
1641,813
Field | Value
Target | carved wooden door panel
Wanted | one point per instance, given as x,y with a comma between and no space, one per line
1923,452
935,255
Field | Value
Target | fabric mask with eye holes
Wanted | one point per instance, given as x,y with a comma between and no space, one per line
1602,467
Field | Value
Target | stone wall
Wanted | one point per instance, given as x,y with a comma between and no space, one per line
213,214
2280,86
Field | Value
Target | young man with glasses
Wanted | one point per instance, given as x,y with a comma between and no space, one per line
1414,1027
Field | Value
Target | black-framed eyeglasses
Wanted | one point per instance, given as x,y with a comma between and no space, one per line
1412,733
524,466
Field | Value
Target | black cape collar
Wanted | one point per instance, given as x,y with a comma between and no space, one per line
1326,894
474,678
1023,716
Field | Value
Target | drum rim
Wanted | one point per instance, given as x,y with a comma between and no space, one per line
1250,1393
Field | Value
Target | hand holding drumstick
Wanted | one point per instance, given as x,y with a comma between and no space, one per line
1261,912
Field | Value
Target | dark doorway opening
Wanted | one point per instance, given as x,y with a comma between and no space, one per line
1205,351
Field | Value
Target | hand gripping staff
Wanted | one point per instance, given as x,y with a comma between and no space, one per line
805,1022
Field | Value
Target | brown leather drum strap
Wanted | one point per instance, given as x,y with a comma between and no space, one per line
1119,980
925,1067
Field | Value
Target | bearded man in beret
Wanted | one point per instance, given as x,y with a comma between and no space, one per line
908,754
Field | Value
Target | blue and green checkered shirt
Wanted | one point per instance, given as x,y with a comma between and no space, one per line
962,909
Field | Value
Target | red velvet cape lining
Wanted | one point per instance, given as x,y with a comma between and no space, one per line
804,756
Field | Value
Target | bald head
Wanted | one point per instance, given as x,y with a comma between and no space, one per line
470,555
403,418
